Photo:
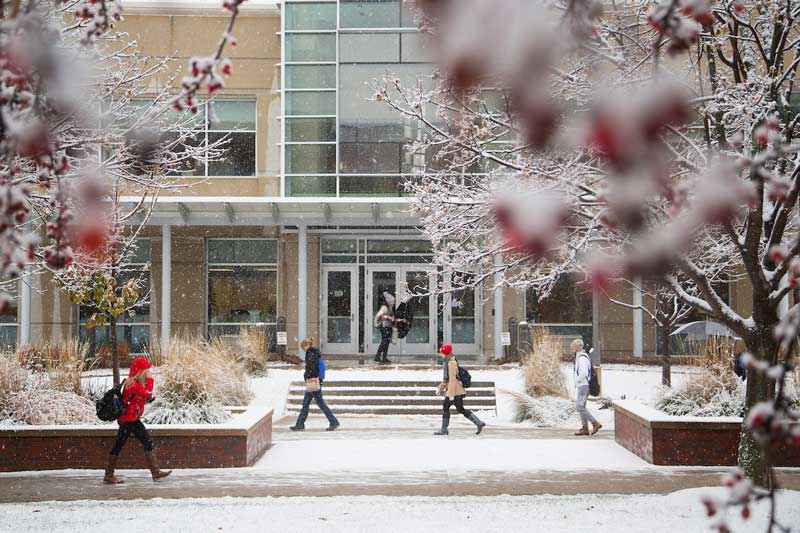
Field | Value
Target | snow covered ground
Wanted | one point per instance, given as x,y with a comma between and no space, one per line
679,511
473,454
619,381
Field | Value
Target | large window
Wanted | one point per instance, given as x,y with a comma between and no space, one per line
565,311
133,332
8,319
234,120
242,284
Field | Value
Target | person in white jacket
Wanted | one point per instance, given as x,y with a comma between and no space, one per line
581,371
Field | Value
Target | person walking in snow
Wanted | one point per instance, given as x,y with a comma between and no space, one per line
453,392
313,388
137,390
384,320
582,366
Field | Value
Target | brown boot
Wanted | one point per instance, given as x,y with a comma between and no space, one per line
596,427
583,431
109,478
152,464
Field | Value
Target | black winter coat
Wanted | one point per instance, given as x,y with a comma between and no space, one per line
312,363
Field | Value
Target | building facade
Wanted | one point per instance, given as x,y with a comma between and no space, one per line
306,220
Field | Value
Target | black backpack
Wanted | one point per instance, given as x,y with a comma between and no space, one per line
594,384
110,406
464,377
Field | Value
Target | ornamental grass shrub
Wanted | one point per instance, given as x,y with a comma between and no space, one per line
543,411
63,364
39,404
252,350
542,366
199,371
12,380
28,397
711,390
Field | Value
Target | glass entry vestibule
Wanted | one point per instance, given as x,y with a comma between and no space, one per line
355,274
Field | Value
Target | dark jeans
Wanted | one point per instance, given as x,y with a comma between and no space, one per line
459,403
386,340
138,430
301,419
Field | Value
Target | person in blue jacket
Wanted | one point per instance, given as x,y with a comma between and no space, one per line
313,388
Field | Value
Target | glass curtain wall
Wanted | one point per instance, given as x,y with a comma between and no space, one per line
338,141
309,98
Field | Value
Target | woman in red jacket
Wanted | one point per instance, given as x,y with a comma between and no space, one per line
136,391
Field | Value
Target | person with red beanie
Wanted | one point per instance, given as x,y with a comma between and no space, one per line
454,392
137,390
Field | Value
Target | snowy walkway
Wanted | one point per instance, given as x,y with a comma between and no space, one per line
669,513
395,456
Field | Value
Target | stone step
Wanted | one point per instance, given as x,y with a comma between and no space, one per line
410,402
375,397
353,410
398,392
387,384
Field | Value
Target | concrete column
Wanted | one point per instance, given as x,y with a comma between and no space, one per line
637,320
25,308
166,284
498,307
302,281
597,359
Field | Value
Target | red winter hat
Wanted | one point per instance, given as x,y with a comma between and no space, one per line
447,349
139,364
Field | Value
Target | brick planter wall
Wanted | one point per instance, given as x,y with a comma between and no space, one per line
667,440
238,442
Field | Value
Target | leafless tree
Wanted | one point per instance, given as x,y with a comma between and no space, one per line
652,141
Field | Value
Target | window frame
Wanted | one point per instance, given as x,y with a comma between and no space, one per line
204,106
14,293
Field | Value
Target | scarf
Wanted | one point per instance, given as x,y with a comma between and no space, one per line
446,367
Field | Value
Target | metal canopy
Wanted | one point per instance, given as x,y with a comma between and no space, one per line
264,211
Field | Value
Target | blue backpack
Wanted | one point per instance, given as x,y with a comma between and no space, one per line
321,368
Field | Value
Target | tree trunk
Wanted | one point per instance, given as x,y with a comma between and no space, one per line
666,362
114,350
752,458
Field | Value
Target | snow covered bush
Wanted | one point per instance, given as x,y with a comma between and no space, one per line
170,410
63,363
12,380
700,402
544,411
196,371
712,391
542,366
39,404
253,350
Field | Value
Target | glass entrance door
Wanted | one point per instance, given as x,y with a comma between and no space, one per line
402,282
339,309
462,317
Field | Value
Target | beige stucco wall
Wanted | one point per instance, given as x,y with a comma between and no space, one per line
256,75
53,316
616,325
